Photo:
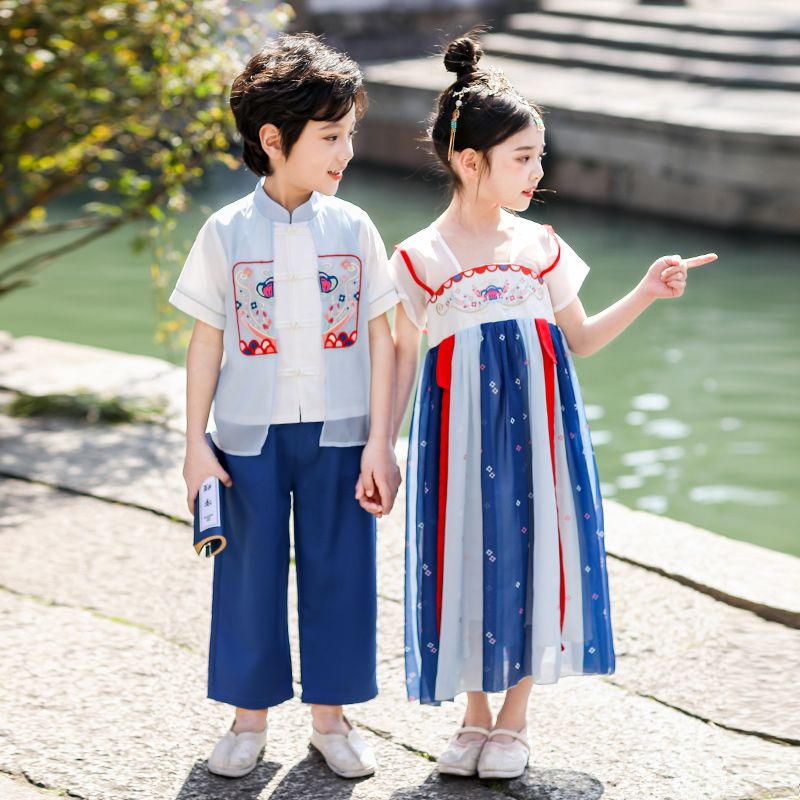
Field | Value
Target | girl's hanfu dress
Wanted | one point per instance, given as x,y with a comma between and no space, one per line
505,561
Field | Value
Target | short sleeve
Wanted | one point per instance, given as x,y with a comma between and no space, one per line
412,295
381,294
567,274
200,290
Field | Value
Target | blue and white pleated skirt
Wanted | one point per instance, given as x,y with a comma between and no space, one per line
505,560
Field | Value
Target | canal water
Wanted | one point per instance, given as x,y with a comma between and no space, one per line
694,410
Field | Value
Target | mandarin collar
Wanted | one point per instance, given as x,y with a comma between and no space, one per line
277,213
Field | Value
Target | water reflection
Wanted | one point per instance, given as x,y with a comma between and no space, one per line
655,503
600,438
594,412
714,495
730,424
638,457
650,402
653,470
666,428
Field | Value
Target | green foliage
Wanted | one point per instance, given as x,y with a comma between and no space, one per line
87,406
124,100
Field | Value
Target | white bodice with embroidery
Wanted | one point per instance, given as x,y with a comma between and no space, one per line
542,276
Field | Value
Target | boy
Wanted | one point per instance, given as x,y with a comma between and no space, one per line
291,285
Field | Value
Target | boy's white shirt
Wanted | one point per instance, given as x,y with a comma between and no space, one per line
204,291
300,392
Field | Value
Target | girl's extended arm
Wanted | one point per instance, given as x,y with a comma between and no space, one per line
406,341
202,371
380,477
665,278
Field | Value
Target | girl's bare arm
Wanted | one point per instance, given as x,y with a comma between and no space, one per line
406,342
665,278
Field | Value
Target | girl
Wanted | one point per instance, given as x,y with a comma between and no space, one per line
505,566
291,285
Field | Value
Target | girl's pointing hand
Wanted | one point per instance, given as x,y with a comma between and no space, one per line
667,276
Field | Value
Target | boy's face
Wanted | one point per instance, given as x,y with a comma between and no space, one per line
516,169
321,154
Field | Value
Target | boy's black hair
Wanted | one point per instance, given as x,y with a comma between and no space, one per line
291,80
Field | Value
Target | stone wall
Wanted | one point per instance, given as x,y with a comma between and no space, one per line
372,29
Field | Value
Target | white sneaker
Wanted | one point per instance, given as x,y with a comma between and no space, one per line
348,755
237,754
461,757
506,759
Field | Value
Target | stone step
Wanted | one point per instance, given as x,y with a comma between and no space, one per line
586,94
596,56
100,710
655,38
104,619
119,577
73,368
782,21
694,151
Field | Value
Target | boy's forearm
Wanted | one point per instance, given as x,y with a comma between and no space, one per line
202,372
381,352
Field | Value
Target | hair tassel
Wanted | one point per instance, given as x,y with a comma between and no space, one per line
453,126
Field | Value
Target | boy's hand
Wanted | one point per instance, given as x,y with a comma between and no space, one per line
379,481
667,276
199,464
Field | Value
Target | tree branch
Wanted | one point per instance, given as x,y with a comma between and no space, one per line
49,193
57,227
39,260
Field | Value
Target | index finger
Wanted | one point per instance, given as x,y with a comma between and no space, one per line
698,261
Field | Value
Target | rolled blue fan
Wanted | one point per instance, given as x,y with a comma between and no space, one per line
209,518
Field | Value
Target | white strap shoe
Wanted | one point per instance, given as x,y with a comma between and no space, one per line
461,757
504,759
349,756
237,754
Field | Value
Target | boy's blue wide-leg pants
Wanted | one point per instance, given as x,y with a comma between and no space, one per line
334,540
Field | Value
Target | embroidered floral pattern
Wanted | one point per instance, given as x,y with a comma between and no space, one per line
340,287
474,289
327,283
254,293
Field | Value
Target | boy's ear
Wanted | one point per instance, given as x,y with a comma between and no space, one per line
270,137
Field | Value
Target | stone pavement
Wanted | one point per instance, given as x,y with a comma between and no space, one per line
104,623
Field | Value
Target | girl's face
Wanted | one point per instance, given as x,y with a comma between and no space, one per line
514,171
321,154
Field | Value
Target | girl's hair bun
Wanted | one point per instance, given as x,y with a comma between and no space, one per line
462,56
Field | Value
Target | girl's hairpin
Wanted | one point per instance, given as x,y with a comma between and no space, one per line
454,118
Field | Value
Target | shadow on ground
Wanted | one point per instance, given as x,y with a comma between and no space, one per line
309,779
536,784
